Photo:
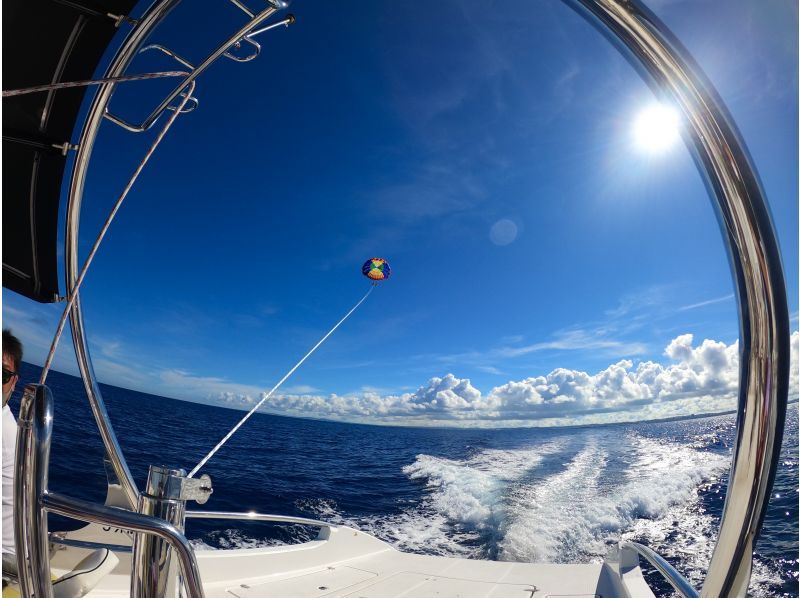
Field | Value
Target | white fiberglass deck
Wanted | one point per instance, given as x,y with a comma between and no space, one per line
347,563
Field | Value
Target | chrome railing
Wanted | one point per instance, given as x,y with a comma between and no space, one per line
130,47
127,520
59,539
244,34
32,502
667,571
35,428
252,516
755,260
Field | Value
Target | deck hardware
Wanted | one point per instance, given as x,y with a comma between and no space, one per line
33,501
65,147
238,44
168,52
164,497
120,19
241,6
243,34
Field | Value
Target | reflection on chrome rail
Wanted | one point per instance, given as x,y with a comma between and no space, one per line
32,502
668,572
758,275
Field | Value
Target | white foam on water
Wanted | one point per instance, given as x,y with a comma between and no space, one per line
549,518
200,545
572,517
420,530
463,502
232,538
471,492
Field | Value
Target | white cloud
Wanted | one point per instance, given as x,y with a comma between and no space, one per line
699,379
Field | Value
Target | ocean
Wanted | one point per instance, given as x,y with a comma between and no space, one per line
541,495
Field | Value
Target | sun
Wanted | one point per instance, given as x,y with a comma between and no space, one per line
656,128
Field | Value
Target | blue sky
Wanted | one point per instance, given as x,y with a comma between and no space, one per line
541,259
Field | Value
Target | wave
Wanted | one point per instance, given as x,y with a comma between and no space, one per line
562,502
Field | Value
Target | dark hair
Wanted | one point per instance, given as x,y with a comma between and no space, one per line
12,347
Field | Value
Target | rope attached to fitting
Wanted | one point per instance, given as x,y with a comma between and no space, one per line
274,388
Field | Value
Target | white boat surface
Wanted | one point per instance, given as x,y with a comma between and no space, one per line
344,562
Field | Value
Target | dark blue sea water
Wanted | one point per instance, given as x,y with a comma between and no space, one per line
555,495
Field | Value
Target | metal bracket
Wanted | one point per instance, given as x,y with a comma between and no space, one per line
243,35
196,489
238,45
172,484
66,147
120,19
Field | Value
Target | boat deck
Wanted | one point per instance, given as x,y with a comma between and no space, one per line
346,563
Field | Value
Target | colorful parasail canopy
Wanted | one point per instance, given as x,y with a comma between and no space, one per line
376,268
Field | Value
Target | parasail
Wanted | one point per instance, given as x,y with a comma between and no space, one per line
376,269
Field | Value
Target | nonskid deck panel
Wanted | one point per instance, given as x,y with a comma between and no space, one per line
351,564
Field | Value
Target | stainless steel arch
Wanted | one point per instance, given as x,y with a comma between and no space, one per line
97,112
753,251
747,230
124,56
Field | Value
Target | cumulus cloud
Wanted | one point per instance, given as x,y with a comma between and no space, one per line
700,378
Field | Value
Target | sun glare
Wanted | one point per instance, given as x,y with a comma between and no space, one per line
656,128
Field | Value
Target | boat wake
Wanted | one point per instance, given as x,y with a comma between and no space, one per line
566,500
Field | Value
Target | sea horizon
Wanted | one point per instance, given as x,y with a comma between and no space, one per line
460,424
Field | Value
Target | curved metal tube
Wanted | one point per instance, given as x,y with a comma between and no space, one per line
758,276
668,572
30,483
257,517
98,110
61,541
94,118
198,70
252,56
120,518
228,515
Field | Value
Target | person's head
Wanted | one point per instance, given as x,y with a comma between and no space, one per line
12,357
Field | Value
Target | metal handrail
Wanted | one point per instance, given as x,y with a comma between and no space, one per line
32,502
154,15
733,184
35,428
253,516
57,539
243,34
97,112
135,522
228,515
667,571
